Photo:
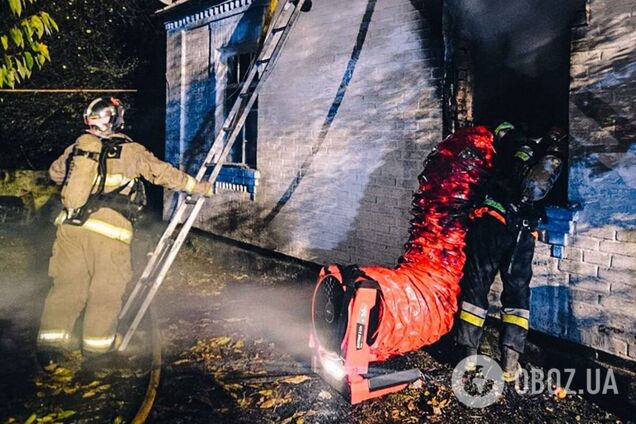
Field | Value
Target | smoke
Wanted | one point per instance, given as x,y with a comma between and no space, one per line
278,314
244,292
519,34
520,53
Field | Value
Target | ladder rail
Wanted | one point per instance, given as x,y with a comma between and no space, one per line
219,141
221,137
165,252
183,232
157,253
163,271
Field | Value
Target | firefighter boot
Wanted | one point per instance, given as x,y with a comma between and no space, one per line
510,364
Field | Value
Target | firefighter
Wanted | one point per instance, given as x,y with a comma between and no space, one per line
501,238
91,261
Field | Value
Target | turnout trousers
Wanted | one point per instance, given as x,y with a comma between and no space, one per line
90,272
492,247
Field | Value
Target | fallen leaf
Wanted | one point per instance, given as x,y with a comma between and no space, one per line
31,419
296,380
300,421
118,420
61,371
66,414
265,392
239,345
560,392
89,394
417,384
70,390
268,403
232,386
245,402
324,395
221,341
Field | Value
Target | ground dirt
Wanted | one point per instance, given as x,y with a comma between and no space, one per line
234,326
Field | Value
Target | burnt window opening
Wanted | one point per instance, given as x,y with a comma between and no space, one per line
510,60
244,149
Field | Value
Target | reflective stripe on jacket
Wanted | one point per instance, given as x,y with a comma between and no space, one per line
130,161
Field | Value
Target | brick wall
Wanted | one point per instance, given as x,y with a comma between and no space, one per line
589,294
345,121
601,262
197,48
352,109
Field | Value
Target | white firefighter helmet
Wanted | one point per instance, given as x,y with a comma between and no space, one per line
104,116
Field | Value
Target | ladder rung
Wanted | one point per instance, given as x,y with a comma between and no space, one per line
172,240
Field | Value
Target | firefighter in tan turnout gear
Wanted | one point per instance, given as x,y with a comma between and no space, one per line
91,261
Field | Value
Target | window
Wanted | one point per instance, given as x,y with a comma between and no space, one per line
244,149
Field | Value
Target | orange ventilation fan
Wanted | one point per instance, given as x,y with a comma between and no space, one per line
368,314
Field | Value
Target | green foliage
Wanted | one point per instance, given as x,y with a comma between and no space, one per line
22,39
100,45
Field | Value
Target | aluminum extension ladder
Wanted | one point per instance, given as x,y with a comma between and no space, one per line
173,237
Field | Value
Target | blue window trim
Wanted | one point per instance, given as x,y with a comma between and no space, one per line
237,177
559,228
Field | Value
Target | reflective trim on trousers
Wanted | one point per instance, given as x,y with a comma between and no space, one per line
190,184
474,309
471,318
53,336
516,320
98,344
520,312
103,228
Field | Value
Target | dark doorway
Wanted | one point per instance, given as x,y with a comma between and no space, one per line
519,54
520,51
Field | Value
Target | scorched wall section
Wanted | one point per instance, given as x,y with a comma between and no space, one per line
347,117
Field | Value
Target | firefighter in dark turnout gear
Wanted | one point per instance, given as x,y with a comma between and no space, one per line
91,263
501,239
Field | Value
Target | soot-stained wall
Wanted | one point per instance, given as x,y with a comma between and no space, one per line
345,120
588,295
352,109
